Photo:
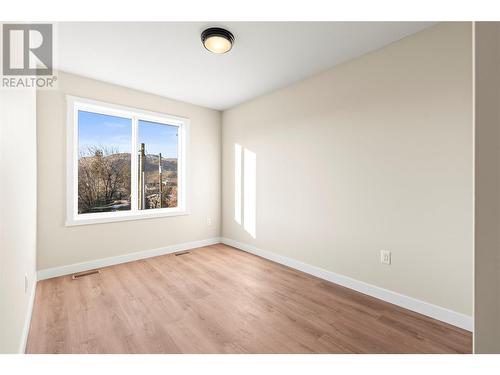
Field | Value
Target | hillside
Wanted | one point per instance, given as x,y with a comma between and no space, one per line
151,163
104,182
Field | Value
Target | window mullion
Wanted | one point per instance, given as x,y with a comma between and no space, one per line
134,183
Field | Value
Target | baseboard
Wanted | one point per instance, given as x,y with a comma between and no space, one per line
104,262
27,320
410,303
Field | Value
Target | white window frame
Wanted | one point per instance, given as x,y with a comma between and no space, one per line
75,104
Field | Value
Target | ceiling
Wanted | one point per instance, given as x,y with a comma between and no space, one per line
168,58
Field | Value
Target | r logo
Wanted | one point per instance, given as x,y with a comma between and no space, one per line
27,49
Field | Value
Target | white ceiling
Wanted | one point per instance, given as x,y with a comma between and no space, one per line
168,58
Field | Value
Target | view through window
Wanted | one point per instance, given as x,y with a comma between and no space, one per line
127,163
157,165
104,162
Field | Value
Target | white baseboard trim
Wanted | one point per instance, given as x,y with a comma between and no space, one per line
410,303
27,319
104,262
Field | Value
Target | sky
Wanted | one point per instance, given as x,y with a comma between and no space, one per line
95,129
158,138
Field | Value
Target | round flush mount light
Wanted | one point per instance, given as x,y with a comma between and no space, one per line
217,40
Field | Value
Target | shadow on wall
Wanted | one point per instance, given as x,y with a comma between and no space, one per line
245,188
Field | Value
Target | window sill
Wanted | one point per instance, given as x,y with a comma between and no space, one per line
112,217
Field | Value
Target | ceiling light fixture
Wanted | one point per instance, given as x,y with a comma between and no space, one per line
217,40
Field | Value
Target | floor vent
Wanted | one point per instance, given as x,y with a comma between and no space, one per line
86,273
183,253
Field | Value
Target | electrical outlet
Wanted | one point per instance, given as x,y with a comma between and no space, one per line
26,283
209,220
385,257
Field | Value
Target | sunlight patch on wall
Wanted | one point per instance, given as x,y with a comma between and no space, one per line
237,183
249,192
245,188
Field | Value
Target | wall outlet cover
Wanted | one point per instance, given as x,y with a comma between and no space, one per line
385,257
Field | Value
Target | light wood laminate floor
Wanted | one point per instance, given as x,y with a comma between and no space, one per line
217,299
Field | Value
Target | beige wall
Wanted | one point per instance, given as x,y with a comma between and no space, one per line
17,215
374,154
487,191
59,245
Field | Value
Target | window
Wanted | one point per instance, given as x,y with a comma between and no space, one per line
123,163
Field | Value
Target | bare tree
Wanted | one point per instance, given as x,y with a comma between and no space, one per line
103,177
